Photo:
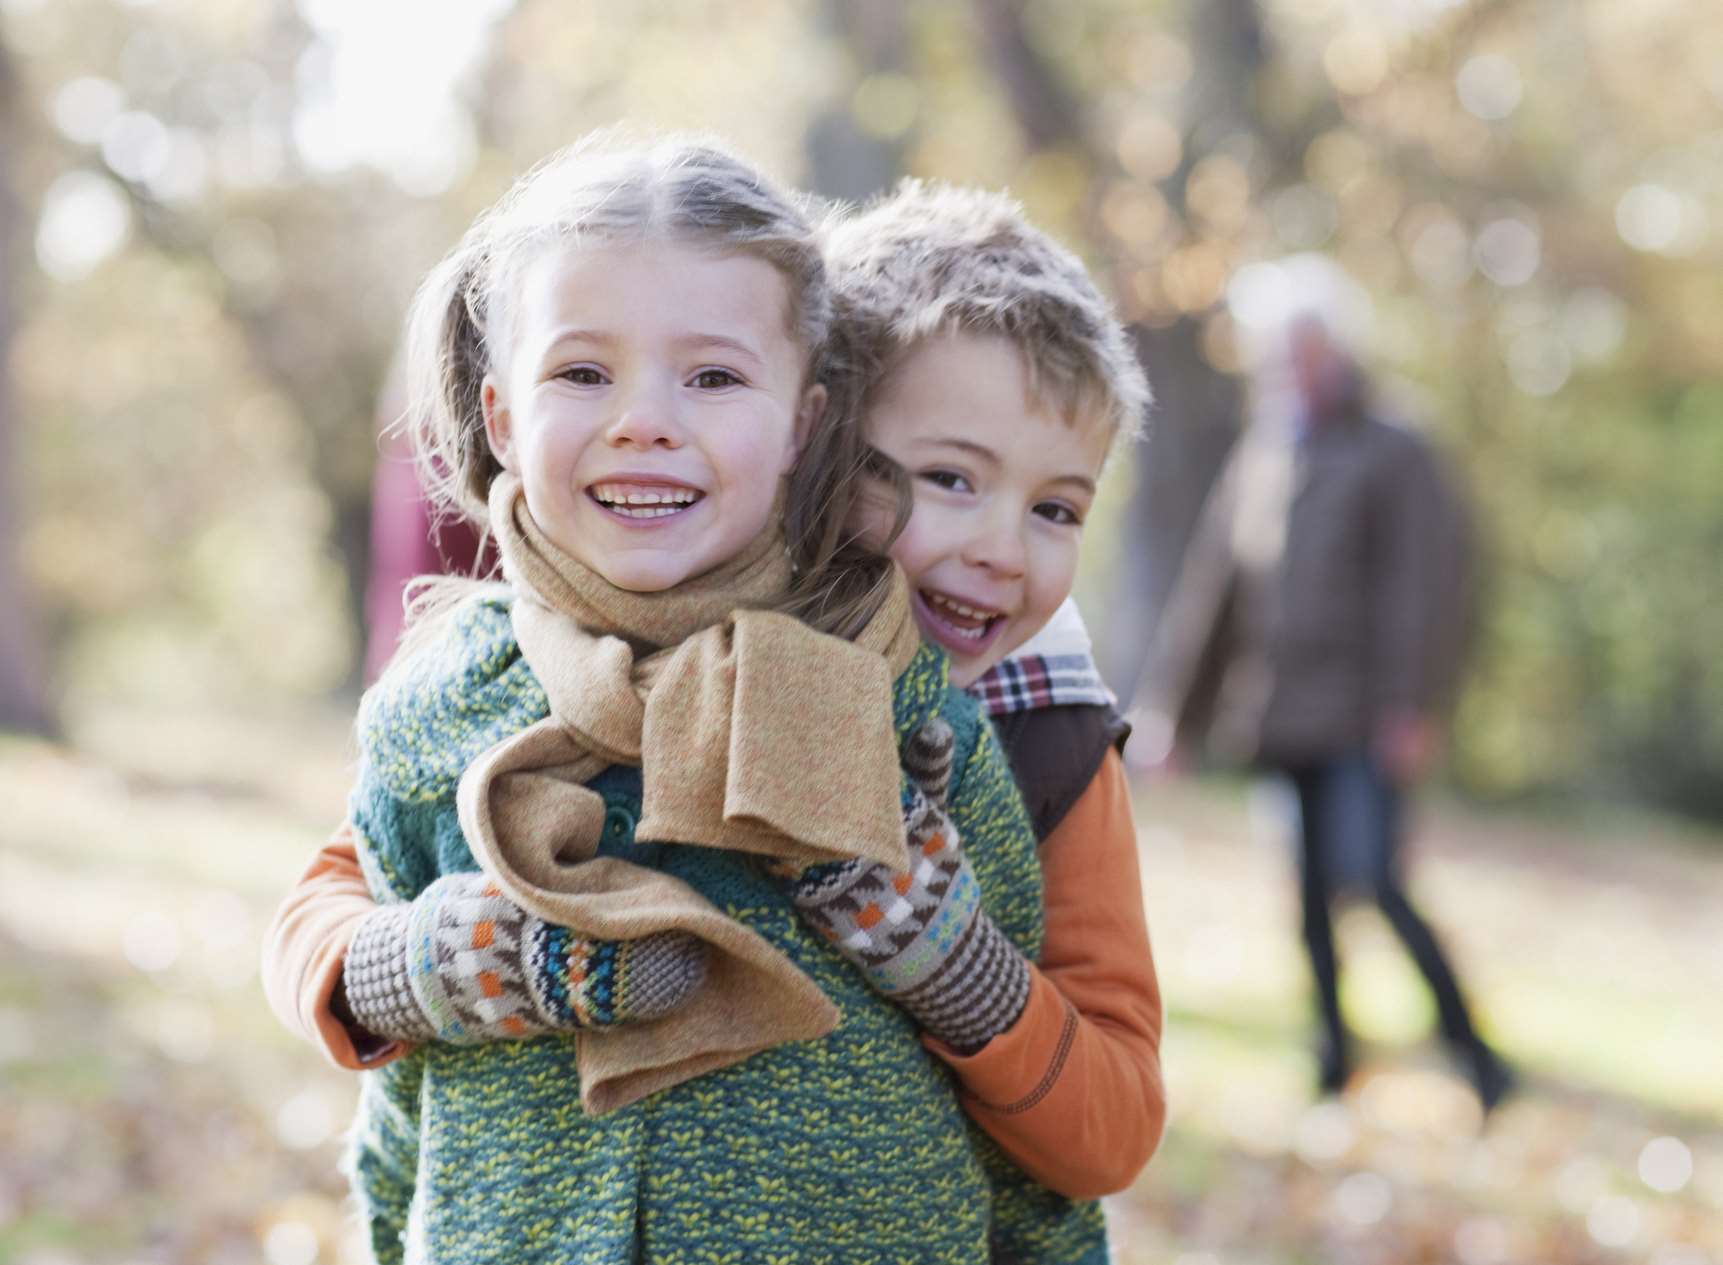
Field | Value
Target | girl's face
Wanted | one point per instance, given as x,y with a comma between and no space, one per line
653,400
1002,485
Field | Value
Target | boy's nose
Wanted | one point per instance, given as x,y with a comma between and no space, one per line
996,547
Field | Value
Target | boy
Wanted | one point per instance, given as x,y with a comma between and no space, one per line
999,383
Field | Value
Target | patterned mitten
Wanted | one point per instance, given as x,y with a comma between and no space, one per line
922,938
464,964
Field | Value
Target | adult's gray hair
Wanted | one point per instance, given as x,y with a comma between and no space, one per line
1267,300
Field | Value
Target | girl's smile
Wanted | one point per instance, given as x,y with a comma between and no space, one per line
644,499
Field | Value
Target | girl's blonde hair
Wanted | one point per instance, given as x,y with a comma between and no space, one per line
608,189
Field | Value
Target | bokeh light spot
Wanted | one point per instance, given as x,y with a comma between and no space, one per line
151,941
1508,251
1489,86
84,219
83,107
290,1243
1666,1165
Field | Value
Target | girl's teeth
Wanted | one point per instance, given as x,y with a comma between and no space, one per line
620,499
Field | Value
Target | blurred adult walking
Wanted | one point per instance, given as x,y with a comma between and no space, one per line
1317,629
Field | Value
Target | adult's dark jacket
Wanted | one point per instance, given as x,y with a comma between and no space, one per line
1327,586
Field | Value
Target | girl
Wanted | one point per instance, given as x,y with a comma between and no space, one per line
621,354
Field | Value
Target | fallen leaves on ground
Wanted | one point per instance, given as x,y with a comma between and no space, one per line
152,1112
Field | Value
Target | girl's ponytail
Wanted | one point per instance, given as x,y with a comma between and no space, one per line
840,579
447,359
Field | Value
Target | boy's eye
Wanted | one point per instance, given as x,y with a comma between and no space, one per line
583,376
948,479
715,379
1054,512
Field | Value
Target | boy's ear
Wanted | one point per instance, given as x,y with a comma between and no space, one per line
498,424
812,408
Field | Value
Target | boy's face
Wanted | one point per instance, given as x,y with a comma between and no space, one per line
1002,485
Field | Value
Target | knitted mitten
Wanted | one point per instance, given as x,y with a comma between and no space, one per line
464,964
922,938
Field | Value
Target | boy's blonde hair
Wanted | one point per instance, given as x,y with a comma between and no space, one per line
928,259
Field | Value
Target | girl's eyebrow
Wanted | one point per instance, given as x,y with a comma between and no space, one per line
722,340
569,334
604,338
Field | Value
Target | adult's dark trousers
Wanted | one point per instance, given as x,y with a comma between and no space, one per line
1349,828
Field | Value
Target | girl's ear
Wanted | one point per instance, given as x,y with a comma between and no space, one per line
812,408
498,424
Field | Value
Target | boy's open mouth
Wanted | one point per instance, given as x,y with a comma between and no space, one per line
644,500
969,625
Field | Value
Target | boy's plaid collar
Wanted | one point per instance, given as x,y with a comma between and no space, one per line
1027,682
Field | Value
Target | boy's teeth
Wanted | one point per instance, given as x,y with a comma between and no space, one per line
959,608
964,620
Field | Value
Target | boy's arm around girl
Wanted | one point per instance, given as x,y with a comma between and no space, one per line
1070,1089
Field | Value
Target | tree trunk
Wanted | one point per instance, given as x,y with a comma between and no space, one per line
23,695
1197,408
844,161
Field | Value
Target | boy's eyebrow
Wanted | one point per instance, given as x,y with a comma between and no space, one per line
1080,481
962,445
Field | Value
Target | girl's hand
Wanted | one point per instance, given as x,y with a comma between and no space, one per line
464,964
921,938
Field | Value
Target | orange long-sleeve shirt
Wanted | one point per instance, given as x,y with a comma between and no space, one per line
1071,1092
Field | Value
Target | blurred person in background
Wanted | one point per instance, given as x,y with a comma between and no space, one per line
409,538
1318,624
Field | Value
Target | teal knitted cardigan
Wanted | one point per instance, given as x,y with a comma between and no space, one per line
851,1148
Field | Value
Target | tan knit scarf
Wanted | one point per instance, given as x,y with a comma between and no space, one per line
730,711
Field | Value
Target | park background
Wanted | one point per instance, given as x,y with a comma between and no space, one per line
212,215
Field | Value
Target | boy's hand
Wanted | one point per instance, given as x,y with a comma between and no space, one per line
1407,744
464,964
922,938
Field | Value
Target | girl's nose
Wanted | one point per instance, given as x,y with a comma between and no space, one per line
647,419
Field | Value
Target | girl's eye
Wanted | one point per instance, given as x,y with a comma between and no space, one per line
716,379
1054,512
948,479
583,376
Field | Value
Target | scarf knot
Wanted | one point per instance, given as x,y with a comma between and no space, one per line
723,718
